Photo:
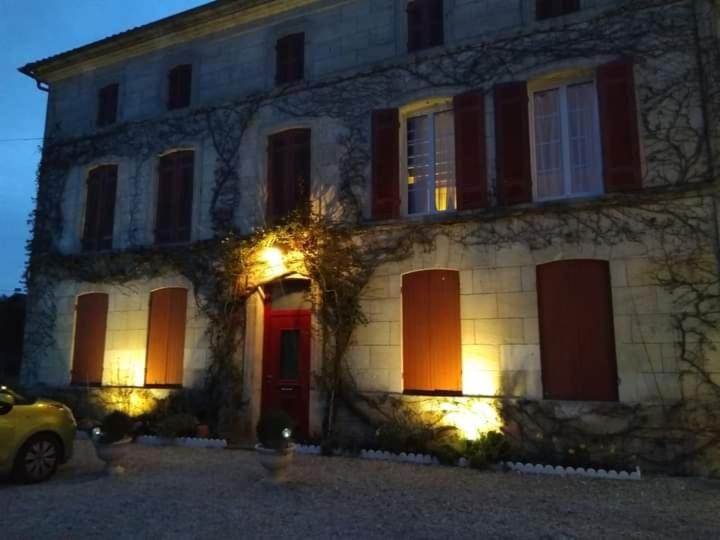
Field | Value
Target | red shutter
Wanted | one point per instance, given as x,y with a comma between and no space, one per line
576,331
431,332
289,179
179,86
512,144
166,337
385,164
100,208
89,348
175,197
290,58
619,127
107,105
470,157
425,20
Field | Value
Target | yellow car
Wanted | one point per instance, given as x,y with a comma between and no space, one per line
36,435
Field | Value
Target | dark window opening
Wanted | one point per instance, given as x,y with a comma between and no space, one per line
288,173
424,24
546,9
175,197
179,86
107,105
100,208
290,58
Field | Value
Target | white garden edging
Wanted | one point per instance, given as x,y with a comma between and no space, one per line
184,442
558,470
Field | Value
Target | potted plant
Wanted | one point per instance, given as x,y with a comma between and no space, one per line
112,440
274,449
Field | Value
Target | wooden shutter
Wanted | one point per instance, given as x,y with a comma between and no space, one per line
290,58
425,24
619,127
179,86
431,332
288,173
166,337
175,197
512,144
89,347
107,105
576,331
544,9
100,208
385,164
470,157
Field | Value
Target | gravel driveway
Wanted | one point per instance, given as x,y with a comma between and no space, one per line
188,493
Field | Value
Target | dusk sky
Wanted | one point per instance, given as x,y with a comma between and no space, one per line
31,30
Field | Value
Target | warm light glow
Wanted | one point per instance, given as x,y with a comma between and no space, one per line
471,416
125,367
272,256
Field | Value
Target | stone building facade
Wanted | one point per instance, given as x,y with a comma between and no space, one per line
541,180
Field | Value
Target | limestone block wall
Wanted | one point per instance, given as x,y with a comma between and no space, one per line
126,334
499,320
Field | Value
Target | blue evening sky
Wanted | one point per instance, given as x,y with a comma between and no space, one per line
31,30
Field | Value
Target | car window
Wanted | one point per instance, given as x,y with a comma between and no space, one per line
19,398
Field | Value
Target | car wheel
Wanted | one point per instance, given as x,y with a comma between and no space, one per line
38,458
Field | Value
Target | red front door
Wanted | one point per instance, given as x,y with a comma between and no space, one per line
286,365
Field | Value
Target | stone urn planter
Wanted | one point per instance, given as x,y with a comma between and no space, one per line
276,462
112,441
114,455
275,450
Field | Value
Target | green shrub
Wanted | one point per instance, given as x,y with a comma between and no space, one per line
177,425
491,447
115,427
271,430
447,451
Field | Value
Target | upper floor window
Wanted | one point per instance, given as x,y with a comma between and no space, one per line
442,154
568,134
179,86
290,58
107,105
430,161
432,360
424,24
566,141
545,9
174,197
288,183
100,208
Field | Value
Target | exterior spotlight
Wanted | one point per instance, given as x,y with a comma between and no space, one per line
272,256
286,433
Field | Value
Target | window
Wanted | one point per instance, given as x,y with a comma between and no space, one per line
179,86
166,337
89,346
431,332
566,141
577,340
288,182
107,105
430,164
175,197
424,24
290,58
545,9
100,208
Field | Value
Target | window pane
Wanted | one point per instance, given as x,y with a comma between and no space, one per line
289,354
418,163
548,149
584,139
444,161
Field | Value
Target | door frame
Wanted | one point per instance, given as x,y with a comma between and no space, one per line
304,367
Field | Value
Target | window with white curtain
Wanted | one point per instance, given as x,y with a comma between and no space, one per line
566,138
430,153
